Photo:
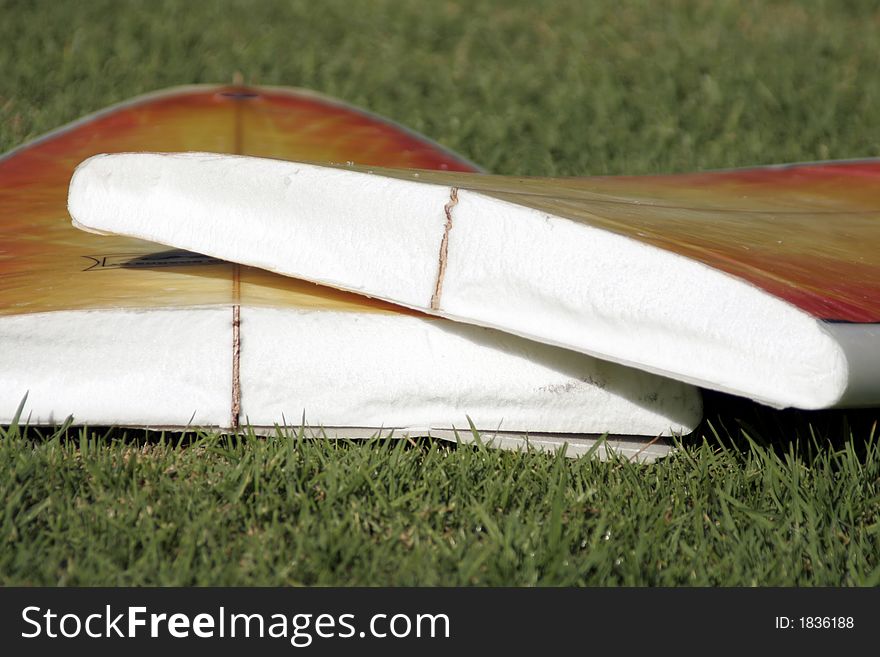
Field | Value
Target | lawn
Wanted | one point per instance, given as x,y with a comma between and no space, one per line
753,497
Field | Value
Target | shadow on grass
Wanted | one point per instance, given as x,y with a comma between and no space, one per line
740,424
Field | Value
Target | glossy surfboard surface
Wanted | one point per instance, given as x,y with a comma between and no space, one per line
123,331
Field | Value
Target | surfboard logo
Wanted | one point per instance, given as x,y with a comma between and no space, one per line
169,258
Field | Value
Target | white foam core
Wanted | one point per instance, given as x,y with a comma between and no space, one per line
393,370
514,268
106,367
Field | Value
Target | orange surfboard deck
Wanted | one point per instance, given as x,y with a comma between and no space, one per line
48,265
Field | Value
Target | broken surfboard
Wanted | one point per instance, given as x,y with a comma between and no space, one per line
761,282
119,331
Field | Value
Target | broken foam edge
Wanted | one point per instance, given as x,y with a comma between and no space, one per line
505,266
173,367
604,447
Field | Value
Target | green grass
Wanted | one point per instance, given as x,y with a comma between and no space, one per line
87,508
755,497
